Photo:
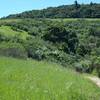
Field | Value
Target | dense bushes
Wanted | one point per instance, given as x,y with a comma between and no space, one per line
58,34
72,42
94,31
83,66
89,65
35,48
39,49
96,64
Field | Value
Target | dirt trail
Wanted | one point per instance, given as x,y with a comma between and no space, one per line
95,79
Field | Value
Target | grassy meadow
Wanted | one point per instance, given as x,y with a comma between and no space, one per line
7,31
33,80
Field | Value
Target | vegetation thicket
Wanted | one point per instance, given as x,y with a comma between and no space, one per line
74,42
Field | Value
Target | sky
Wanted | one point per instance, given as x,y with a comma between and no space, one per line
17,6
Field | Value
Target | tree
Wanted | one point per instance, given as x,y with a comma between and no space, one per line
56,33
77,5
91,3
72,42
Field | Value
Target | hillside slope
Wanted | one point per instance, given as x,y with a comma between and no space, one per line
64,41
9,32
33,80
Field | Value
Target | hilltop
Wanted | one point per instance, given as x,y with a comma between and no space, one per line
76,10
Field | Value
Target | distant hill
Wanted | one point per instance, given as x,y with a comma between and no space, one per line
76,10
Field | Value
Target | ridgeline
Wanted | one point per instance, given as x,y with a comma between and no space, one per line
75,10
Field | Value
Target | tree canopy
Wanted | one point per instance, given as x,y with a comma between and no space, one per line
75,10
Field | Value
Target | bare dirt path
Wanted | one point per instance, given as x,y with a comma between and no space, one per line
95,79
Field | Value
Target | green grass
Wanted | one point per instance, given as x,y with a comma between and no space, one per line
9,20
7,31
56,19
75,19
33,80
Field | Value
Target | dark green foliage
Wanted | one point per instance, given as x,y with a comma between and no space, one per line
94,31
35,48
67,42
72,42
83,49
76,4
84,66
96,64
76,10
56,33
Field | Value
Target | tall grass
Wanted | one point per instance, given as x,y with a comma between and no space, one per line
7,31
33,80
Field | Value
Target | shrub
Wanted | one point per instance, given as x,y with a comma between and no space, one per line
35,48
83,49
3,38
56,33
39,50
94,31
83,66
96,64
67,38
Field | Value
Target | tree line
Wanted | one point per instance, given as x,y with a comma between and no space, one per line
75,10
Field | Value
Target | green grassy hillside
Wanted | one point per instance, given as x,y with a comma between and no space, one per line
33,80
8,31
